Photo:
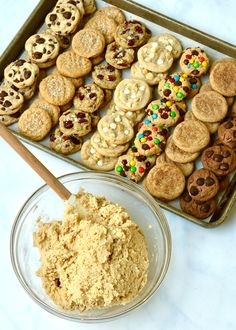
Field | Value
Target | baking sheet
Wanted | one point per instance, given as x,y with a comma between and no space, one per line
157,23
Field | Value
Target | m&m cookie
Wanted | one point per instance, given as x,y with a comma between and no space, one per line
174,87
194,61
163,112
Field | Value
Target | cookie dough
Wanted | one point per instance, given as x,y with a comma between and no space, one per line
103,252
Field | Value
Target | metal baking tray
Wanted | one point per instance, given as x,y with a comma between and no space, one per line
160,23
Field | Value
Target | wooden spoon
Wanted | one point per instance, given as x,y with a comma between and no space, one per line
35,164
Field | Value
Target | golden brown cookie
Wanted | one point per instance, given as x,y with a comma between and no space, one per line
174,87
105,148
88,43
131,34
191,136
194,61
119,57
53,110
8,120
88,98
57,89
209,106
64,144
35,123
169,42
178,155
163,113
223,77
161,182
186,168
10,100
89,6
75,122
106,76
112,12
212,127
206,87
227,133
77,82
71,65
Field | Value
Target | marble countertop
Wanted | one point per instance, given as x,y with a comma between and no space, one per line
199,291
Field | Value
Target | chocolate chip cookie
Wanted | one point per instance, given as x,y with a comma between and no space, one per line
64,144
227,133
10,100
88,98
219,159
202,185
106,76
119,57
75,122
130,34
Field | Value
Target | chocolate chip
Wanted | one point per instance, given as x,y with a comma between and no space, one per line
217,158
193,81
205,207
111,78
52,137
186,89
27,74
177,83
141,158
147,132
100,76
148,164
122,173
187,197
209,153
186,62
226,154
162,145
67,14
134,149
40,40
200,181
126,168
145,146
80,115
7,104
19,62
92,95
167,92
37,55
195,52
53,17
110,68
131,42
124,162
209,181
229,124
164,115
194,191
138,29
68,124
3,94
82,121
195,72
75,140
224,166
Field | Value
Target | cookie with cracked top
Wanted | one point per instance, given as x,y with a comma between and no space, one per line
88,43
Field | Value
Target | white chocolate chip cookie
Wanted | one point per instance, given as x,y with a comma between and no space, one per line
115,129
119,57
155,58
134,117
94,160
105,148
132,94
168,42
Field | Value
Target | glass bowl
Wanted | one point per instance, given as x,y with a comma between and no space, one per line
46,204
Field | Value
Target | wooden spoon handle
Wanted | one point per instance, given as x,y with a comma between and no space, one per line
35,164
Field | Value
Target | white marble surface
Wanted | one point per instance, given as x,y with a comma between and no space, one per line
199,291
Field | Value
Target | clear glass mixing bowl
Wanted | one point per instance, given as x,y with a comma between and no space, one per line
46,204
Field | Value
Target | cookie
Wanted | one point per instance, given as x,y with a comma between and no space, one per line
75,122
66,106
63,19
155,58
199,210
151,78
150,140
95,160
104,24
233,110
119,57
191,136
57,89
64,144
89,6
168,42
95,117
8,120
88,98
178,155
182,108
223,77
115,129
112,12
88,43
206,87
174,87
106,76
134,117
209,106
186,168
195,84
64,41
130,34
194,61
21,73
163,113
27,92
35,123
131,167
132,94
219,159
53,110
202,185
105,148
42,48
71,65
77,3
227,133
10,100
108,94
161,182
212,127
